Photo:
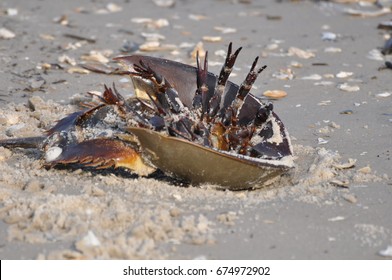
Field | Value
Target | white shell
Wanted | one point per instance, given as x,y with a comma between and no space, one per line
53,153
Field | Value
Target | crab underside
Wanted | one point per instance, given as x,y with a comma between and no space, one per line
183,120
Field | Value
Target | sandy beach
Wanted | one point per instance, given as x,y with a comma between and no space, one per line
336,202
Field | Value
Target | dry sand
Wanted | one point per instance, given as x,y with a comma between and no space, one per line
326,208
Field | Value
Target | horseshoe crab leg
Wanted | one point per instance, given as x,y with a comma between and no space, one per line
201,96
216,101
165,94
27,142
246,86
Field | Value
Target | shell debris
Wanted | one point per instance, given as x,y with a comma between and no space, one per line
53,153
275,94
348,88
6,34
305,54
212,39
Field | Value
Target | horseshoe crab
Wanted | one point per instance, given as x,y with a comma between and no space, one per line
183,120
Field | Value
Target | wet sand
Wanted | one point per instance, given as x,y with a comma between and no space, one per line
326,208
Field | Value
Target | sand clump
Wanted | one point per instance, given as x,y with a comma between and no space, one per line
111,217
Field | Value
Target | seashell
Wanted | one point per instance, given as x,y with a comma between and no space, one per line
53,153
165,3
349,164
387,252
336,219
77,70
322,141
360,13
300,53
95,56
375,55
198,49
196,17
212,39
312,77
383,94
343,74
339,183
275,94
153,36
332,50
348,88
284,74
66,59
153,46
113,8
329,36
11,12
225,30
6,34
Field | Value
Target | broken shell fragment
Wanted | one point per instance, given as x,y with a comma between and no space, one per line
165,3
349,164
383,94
343,74
301,53
77,70
212,39
348,88
53,153
387,252
339,183
275,94
6,34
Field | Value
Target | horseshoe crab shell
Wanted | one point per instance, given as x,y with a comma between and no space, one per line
198,163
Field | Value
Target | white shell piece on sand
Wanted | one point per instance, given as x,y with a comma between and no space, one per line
343,74
386,252
383,94
329,36
53,153
314,77
348,88
6,34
